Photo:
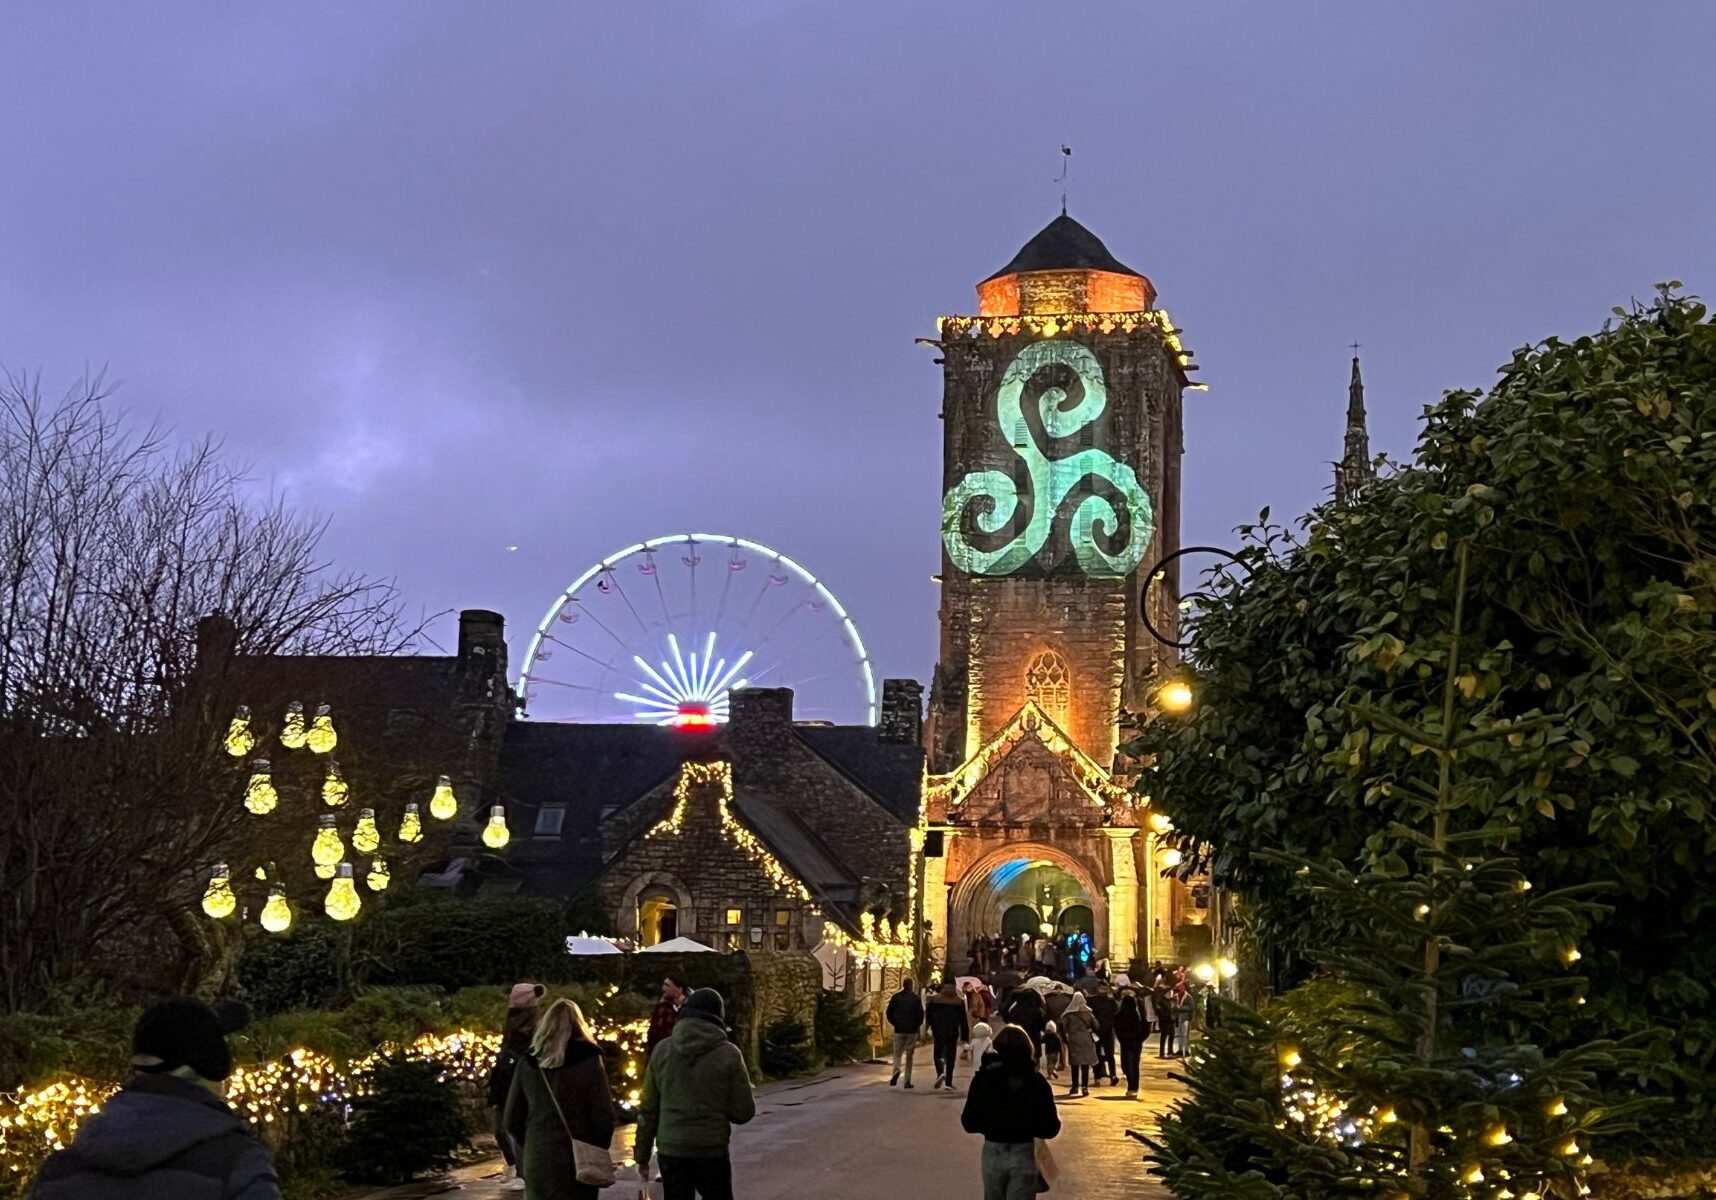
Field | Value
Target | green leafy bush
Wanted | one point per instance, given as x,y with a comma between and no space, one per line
784,1048
411,1121
842,1033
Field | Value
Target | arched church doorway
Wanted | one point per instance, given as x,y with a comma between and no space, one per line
1026,889
658,916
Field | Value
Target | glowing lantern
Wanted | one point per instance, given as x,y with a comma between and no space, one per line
1205,972
378,878
1497,1135
327,850
321,737
276,914
239,740
292,734
1289,1057
495,833
218,900
335,790
259,794
411,825
1227,967
1172,857
1160,823
1175,696
343,901
1570,955
366,837
443,805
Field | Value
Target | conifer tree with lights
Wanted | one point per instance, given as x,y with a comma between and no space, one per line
1412,1066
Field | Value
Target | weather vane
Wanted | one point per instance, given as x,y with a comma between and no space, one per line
1066,162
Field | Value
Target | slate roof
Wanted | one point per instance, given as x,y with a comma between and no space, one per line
1064,245
891,772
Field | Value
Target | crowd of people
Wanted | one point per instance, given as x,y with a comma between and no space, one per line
1095,1028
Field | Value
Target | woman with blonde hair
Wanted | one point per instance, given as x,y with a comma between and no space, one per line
560,1097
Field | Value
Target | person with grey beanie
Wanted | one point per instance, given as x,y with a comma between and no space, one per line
168,1133
695,1090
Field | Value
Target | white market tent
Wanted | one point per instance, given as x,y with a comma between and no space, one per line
678,945
583,943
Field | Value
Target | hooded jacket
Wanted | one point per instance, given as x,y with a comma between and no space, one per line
695,1090
160,1138
1078,1028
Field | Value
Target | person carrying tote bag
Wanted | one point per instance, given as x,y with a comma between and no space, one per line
560,1110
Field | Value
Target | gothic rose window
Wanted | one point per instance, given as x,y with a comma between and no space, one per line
1047,681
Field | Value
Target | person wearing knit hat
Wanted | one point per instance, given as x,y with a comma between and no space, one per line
695,1090
167,1134
523,1004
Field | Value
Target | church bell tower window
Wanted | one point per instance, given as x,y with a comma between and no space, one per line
1048,682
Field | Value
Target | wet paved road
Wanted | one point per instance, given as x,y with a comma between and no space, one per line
847,1134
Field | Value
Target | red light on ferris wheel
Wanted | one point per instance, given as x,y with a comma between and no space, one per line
693,716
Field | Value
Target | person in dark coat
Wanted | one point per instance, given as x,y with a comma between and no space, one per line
1130,1030
559,1094
1025,1009
665,1012
1103,1007
516,1030
948,1025
167,1134
1011,1106
1162,1016
906,1019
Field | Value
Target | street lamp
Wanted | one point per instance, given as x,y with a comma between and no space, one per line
1159,572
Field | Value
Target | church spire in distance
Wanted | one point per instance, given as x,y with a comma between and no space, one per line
1354,470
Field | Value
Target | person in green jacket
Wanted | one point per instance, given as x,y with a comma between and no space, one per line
695,1090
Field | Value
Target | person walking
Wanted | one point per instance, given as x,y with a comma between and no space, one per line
1130,1029
1185,1008
982,1038
1025,1009
167,1134
948,1026
695,1090
665,1013
1078,1031
1162,1017
560,1096
522,1010
1010,1106
906,1019
1104,1006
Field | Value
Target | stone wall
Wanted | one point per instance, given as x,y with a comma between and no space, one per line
782,985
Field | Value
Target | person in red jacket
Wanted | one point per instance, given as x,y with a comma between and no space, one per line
666,1012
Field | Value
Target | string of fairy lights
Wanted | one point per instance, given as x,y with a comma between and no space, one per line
881,940
329,854
270,1095
952,788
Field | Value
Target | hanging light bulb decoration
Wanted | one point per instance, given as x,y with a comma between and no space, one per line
443,805
366,838
495,833
411,825
259,794
276,914
239,739
293,733
327,850
218,900
378,878
321,737
342,901
335,790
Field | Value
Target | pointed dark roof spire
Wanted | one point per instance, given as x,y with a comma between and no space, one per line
1355,470
1064,245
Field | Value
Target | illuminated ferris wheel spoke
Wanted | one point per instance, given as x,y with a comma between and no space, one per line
603,626
621,589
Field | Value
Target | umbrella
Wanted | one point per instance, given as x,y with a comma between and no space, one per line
1089,985
967,981
583,943
678,945
1039,983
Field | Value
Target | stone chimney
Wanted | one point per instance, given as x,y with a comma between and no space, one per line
758,717
217,639
482,638
902,719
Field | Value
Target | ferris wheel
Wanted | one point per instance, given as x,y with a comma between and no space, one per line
661,632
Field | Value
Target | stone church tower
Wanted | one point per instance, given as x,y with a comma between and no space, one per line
1061,484
1061,488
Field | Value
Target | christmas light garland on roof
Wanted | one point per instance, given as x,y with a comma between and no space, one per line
1031,720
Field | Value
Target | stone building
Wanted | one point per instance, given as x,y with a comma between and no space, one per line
1061,404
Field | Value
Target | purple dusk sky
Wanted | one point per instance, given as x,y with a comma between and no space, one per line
566,276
